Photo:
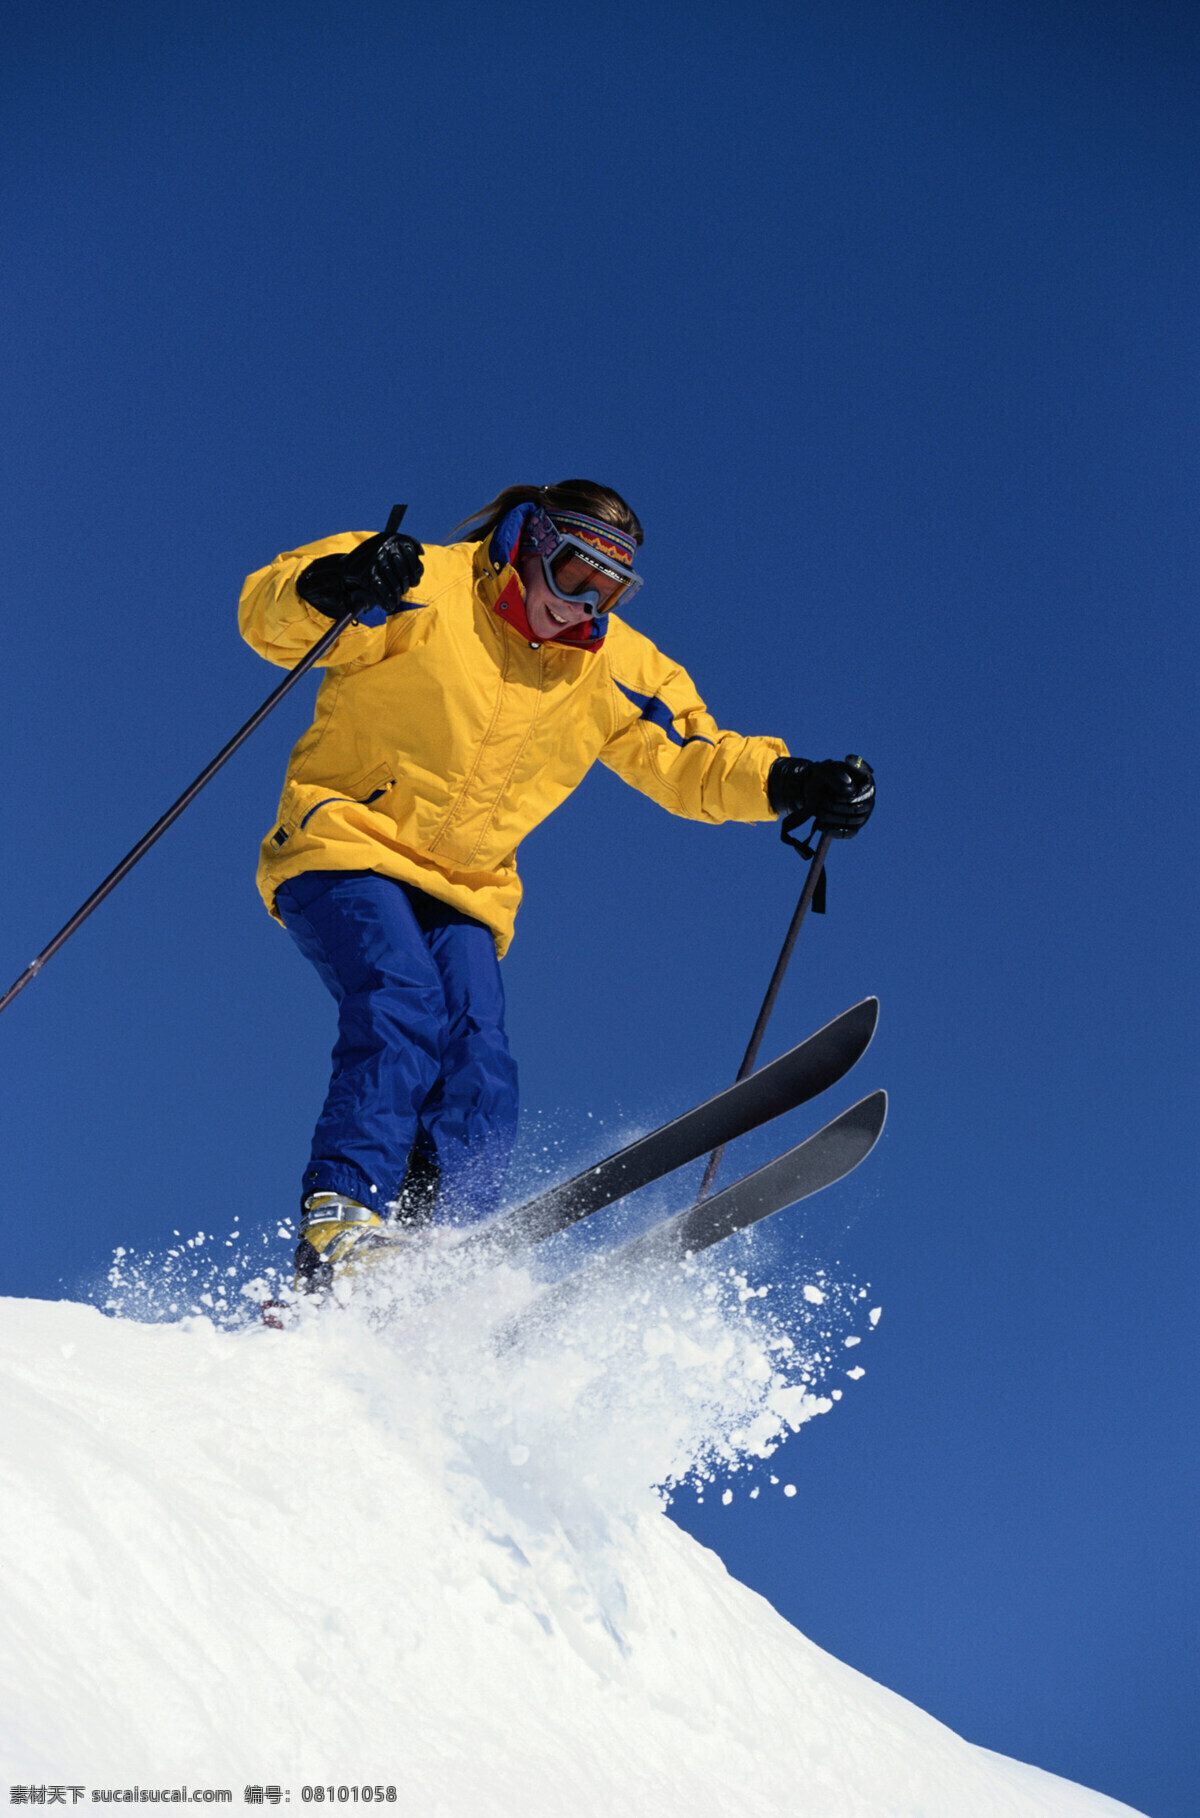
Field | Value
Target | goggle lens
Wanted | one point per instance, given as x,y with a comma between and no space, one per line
573,575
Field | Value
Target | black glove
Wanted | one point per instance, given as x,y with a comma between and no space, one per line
378,573
838,796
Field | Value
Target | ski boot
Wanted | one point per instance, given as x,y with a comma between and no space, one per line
336,1236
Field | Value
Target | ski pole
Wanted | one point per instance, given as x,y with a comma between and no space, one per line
768,1003
189,795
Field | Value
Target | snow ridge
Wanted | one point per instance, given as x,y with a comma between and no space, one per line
369,1548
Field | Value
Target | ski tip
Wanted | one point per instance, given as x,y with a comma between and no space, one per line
858,1023
867,1117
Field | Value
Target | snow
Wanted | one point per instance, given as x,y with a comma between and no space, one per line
368,1549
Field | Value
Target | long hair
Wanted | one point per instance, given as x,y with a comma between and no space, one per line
594,501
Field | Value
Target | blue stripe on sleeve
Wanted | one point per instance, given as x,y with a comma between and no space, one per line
659,714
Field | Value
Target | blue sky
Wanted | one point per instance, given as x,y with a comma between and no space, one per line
884,320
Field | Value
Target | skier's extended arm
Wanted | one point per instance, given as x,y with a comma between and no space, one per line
667,744
288,605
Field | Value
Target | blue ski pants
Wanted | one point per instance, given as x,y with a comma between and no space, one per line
421,1066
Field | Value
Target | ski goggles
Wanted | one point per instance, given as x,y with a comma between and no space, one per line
583,570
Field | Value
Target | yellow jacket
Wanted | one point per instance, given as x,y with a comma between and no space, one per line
442,736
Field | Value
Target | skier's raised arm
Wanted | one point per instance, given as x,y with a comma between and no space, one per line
288,605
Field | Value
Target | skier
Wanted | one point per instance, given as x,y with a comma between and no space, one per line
475,688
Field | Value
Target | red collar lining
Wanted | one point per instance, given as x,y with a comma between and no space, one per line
511,608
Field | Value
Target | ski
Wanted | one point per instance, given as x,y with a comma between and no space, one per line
823,1158
797,1076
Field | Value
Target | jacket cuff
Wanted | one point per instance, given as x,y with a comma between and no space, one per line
322,585
783,784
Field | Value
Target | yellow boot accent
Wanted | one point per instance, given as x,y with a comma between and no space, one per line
336,1235
332,1225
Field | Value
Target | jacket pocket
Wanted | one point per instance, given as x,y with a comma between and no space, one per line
371,785
302,800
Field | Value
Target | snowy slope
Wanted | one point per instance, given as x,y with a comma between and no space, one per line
360,1552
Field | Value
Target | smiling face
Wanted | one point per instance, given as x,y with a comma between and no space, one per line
547,614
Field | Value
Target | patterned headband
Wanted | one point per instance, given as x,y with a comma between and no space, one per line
606,539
